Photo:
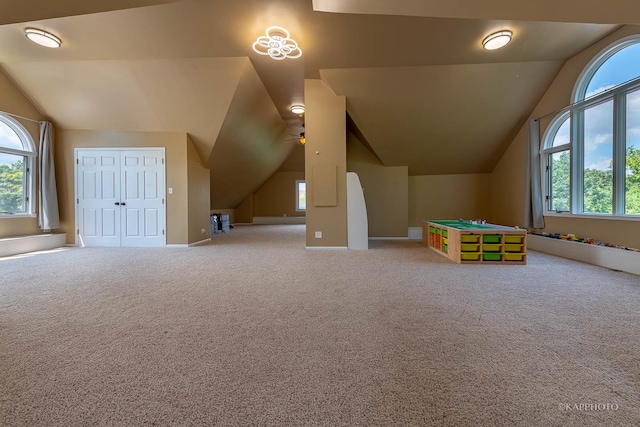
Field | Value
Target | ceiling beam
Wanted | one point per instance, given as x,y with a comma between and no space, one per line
34,10
584,11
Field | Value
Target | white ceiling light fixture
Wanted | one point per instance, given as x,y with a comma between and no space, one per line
277,44
497,40
43,38
297,109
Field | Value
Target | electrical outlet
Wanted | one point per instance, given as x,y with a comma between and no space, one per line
170,190
203,231
318,234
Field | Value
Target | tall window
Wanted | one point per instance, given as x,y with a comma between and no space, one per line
17,155
591,151
301,196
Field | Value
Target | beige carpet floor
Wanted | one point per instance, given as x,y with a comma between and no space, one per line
254,330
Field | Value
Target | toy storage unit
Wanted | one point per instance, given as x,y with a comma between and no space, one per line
467,243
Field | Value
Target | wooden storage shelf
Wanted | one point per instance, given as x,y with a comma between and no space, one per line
467,243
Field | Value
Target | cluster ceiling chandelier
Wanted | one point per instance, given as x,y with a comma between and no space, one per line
277,44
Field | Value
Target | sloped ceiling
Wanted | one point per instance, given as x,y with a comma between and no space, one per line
458,124
163,95
251,146
414,73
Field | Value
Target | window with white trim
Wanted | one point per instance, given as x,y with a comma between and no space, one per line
301,196
590,153
17,160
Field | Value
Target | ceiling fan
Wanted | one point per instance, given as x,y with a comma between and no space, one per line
299,137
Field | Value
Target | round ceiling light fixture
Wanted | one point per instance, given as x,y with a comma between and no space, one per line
43,38
297,109
497,40
277,44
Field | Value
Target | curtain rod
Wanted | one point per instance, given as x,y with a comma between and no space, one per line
20,117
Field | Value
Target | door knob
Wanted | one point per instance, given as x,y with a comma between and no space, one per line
117,203
123,204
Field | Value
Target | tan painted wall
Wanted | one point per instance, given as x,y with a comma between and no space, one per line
198,190
244,213
277,197
508,180
386,191
14,102
325,129
175,145
509,185
448,197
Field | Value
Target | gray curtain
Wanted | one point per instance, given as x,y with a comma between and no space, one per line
48,216
535,218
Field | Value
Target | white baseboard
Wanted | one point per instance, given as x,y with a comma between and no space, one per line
388,238
39,242
415,233
176,245
279,220
332,248
201,242
616,259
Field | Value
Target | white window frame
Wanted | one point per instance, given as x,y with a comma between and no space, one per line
575,112
298,182
29,153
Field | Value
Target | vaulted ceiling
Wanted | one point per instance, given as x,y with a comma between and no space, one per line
419,86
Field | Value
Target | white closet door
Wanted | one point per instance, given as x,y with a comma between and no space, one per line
120,197
142,199
98,197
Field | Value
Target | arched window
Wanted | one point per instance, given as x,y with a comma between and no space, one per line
17,159
591,150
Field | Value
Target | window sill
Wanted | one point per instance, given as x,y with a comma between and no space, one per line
18,216
587,216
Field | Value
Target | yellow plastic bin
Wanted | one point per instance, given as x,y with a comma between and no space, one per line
513,247
469,238
470,256
465,247
489,247
513,239
513,257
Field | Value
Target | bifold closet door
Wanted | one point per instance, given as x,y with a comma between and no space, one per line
120,197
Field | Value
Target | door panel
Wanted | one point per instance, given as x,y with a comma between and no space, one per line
97,187
144,187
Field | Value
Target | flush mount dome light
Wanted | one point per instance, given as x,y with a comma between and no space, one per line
277,44
297,109
42,38
497,40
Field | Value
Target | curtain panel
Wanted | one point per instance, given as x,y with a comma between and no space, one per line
48,214
534,212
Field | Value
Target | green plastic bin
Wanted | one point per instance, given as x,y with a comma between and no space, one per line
490,256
